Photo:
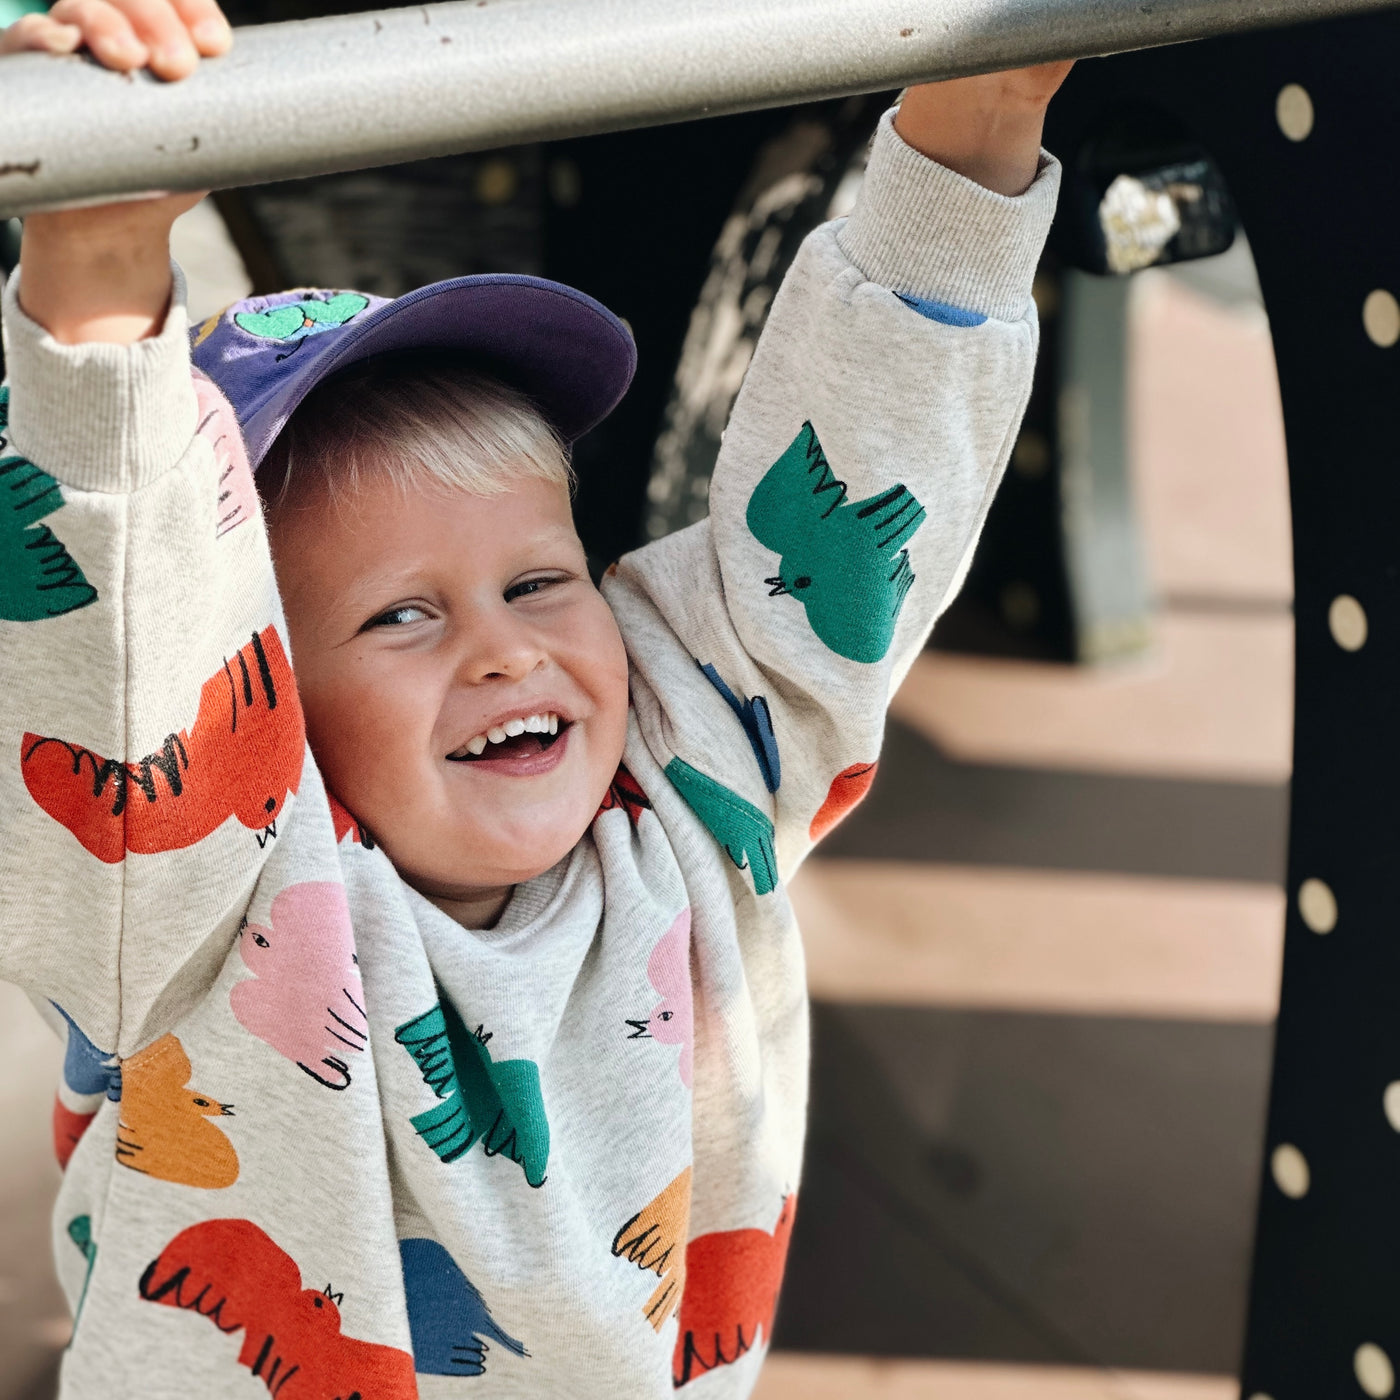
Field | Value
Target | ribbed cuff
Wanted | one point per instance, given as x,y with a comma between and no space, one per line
100,417
925,231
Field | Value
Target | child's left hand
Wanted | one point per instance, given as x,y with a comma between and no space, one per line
167,36
988,127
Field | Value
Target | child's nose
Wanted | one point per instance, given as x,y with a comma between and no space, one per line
501,650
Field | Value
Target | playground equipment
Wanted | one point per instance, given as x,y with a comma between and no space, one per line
392,85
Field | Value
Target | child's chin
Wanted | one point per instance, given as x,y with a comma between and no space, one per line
515,861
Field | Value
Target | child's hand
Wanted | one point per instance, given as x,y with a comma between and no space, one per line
987,128
167,36
103,273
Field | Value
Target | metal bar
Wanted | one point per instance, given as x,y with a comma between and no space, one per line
316,96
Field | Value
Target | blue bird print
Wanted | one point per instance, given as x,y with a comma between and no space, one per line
844,561
447,1317
757,720
86,1069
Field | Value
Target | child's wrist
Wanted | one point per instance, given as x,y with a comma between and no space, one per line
997,145
93,279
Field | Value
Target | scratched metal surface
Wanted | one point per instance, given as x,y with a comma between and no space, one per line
315,96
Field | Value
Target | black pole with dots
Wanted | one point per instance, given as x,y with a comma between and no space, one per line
1304,123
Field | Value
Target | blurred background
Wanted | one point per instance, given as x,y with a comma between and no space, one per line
1045,954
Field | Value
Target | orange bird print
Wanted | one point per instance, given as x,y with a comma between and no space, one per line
165,1129
731,1294
848,788
654,1240
240,758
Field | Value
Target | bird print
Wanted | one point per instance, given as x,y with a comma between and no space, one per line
237,499
757,720
672,1020
80,1232
625,793
296,320
448,1318
733,1278
305,1000
843,560
241,758
847,789
655,1241
165,1129
38,576
498,1104
90,1075
347,824
744,832
86,1069
238,1277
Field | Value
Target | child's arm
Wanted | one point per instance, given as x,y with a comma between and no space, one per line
856,472
150,735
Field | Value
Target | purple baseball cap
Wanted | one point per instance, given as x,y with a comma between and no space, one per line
569,353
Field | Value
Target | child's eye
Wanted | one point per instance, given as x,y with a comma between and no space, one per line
396,617
528,587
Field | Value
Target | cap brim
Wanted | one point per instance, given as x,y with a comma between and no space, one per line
568,352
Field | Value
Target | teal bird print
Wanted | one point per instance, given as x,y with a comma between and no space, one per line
80,1232
744,832
843,560
497,1104
38,577
295,320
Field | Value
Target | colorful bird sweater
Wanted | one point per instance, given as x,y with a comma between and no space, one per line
320,1141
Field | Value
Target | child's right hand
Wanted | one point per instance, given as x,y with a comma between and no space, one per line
167,36
102,273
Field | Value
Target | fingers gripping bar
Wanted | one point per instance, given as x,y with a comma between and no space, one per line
317,96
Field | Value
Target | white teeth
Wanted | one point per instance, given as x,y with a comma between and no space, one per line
547,723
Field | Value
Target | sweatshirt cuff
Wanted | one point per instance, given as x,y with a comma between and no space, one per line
925,231
100,417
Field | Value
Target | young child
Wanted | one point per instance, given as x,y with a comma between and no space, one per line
436,1021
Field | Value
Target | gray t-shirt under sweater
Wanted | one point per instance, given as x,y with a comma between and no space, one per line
321,1141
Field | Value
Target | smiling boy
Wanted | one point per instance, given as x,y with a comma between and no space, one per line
436,1016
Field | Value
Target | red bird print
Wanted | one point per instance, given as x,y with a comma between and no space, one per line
348,824
237,1276
625,792
68,1129
241,758
732,1278
847,789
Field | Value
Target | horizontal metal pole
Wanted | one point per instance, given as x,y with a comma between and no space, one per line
323,95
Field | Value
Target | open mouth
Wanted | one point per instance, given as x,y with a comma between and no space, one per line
524,737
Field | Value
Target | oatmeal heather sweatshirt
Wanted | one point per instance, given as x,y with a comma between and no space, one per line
320,1140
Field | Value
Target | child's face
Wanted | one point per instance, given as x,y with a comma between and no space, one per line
421,621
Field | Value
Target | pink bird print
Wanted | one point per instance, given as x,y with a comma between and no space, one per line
237,500
672,1021
306,1000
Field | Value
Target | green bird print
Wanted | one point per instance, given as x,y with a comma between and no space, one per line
80,1232
744,832
295,320
843,560
496,1104
38,577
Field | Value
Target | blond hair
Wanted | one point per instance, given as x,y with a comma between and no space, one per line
425,420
